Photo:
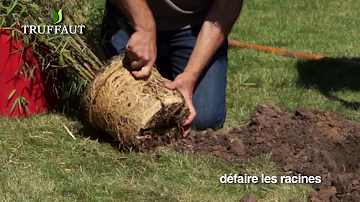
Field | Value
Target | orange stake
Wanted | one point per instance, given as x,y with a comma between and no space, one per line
287,53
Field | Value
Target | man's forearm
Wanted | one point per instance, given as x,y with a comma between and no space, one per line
216,28
138,12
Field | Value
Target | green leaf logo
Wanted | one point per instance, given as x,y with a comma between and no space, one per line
57,16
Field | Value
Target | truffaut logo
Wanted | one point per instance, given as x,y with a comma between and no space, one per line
56,16
57,19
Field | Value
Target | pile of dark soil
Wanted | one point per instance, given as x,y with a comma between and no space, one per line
309,142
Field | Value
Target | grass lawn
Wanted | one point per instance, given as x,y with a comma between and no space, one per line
41,162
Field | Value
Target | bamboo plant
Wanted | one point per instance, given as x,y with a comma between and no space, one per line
69,54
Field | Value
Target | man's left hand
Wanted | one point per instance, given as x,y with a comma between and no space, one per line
185,83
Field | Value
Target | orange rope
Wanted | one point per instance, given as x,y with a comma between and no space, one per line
287,53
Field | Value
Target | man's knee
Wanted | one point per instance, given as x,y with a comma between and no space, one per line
209,120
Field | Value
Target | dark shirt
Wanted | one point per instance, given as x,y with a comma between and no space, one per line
170,14
179,14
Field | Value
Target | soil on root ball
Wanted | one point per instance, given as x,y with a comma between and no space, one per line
309,142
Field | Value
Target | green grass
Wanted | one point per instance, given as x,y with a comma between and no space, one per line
290,24
41,162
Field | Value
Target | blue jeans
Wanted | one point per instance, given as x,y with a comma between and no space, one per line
174,50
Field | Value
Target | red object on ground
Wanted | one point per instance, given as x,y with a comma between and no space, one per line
39,94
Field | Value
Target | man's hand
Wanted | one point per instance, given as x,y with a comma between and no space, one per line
141,47
185,83
141,50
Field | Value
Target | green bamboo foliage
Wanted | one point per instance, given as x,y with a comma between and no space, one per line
67,53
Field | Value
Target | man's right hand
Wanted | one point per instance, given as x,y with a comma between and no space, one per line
141,50
141,47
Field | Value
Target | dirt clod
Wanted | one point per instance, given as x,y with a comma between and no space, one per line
249,198
307,143
313,197
327,192
237,147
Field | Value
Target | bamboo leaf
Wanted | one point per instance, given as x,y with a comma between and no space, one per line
6,8
55,16
26,40
24,102
15,51
27,109
56,90
31,72
23,10
2,6
12,94
71,87
11,8
81,84
13,106
19,106
2,22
